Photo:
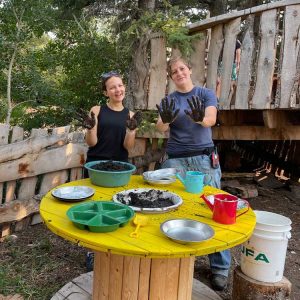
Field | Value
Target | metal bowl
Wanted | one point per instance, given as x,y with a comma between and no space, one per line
186,231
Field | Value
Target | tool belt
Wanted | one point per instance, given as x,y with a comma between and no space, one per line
204,151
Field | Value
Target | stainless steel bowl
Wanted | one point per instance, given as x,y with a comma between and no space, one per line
186,231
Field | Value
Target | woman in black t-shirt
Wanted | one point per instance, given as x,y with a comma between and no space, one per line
111,128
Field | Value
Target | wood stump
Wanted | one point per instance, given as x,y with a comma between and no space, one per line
246,288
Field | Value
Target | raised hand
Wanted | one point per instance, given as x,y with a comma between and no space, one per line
197,109
135,121
86,120
167,110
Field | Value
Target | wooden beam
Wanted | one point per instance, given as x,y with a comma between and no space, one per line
17,210
289,70
250,133
66,157
266,61
276,118
30,145
211,22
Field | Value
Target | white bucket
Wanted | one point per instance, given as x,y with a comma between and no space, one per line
263,255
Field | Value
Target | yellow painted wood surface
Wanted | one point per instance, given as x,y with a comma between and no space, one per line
151,242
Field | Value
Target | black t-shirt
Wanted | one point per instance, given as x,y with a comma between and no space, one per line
111,133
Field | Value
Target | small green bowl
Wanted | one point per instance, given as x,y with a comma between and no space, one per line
99,216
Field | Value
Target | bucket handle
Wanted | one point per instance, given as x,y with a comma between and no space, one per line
248,206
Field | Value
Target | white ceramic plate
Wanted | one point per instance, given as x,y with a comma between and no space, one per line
149,195
73,193
161,174
161,177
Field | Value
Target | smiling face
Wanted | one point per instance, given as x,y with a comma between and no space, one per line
180,73
115,89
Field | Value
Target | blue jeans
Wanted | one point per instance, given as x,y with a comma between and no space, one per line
219,261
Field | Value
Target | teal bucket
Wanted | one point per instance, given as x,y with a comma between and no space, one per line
109,178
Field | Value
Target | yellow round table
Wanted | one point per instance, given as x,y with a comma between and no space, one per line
151,266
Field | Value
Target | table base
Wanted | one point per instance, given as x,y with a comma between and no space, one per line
118,277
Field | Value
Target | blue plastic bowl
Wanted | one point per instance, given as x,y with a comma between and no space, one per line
109,178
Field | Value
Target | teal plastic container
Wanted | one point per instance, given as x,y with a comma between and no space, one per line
109,178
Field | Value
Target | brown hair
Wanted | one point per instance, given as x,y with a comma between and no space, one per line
175,59
106,76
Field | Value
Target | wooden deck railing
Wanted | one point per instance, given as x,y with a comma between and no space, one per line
266,98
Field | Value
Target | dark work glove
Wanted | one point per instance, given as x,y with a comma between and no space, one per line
197,109
135,121
167,110
85,119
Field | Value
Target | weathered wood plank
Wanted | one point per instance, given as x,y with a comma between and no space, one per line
65,157
231,31
213,21
158,73
4,132
290,69
39,132
76,173
244,76
276,118
27,188
216,45
30,145
61,130
198,60
17,135
17,210
246,133
139,148
51,180
266,61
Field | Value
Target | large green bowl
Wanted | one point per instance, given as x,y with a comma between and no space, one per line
109,178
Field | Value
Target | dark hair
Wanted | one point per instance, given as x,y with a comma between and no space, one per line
106,76
175,59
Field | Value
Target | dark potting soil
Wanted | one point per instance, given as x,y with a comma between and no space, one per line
110,166
147,199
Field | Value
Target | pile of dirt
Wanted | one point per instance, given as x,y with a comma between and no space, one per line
146,199
111,166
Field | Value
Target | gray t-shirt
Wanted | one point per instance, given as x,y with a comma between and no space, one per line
186,136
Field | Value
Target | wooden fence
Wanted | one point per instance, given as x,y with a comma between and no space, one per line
30,167
266,98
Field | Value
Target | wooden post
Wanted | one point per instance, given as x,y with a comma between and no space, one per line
127,277
246,288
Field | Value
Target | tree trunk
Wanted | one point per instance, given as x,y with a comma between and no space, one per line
138,80
11,63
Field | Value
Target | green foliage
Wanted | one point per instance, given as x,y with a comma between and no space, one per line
171,23
150,118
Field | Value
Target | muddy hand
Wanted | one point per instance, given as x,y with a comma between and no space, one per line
86,120
135,121
167,110
197,109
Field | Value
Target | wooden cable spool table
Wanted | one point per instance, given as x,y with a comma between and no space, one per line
151,266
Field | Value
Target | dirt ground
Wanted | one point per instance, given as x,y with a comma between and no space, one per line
69,260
